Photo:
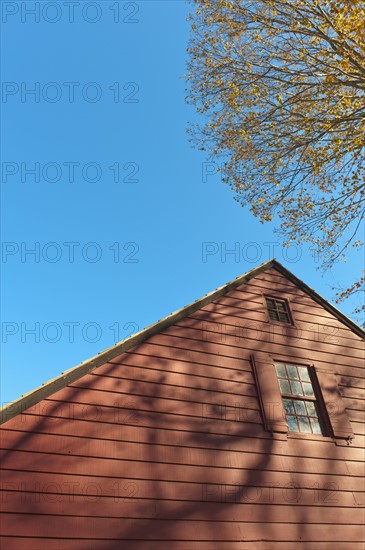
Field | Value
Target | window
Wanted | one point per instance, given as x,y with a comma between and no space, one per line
309,399
278,310
299,399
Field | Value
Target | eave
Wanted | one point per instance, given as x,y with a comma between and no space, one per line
48,388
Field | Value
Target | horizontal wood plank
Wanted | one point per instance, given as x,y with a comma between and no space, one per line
114,528
88,506
17,543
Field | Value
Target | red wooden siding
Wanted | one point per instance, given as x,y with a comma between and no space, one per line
165,447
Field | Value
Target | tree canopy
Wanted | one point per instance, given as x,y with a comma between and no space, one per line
282,85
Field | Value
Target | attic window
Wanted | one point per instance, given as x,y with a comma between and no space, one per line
299,400
278,310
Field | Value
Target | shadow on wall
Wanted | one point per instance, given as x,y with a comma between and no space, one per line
162,448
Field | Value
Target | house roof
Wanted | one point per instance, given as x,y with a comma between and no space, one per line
48,388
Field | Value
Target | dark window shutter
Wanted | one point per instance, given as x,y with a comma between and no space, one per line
335,405
269,393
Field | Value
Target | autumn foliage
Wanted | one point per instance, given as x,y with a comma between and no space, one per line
282,84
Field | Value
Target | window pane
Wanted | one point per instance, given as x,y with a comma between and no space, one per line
296,388
273,315
303,373
281,306
293,373
308,390
292,423
288,406
304,425
283,317
311,408
298,398
284,386
316,428
300,407
270,303
280,369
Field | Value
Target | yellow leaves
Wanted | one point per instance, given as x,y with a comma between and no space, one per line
233,94
285,95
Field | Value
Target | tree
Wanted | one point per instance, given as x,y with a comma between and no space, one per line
282,84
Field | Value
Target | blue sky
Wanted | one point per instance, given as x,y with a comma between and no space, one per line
106,209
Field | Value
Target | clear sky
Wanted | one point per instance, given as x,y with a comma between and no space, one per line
110,220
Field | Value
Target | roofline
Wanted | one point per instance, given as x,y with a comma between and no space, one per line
322,301
33,397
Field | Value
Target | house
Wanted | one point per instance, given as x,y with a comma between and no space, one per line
235,423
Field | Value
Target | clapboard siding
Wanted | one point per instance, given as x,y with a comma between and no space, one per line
143,544
146,475
136,490
192,356
160,529
203,334
231,321
227,327
164,446
240,460
108,427
145,452
79,505
240,419
194,342
327,328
